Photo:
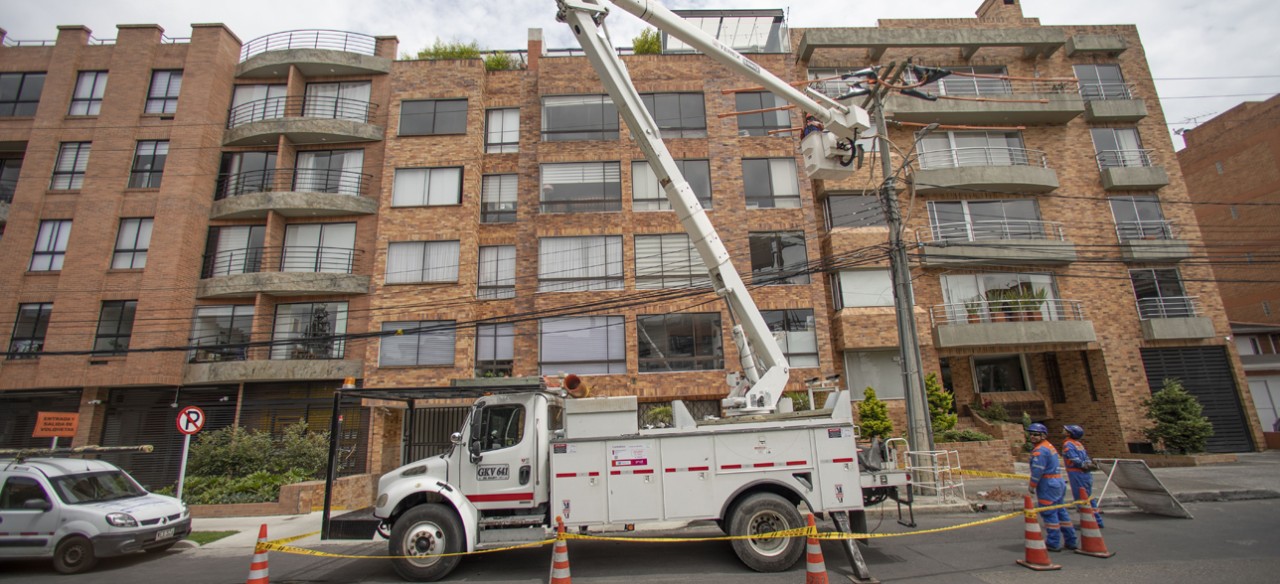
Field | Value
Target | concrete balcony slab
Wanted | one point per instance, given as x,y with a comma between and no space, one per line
292,204
282,284
1017,178
271,370
987,334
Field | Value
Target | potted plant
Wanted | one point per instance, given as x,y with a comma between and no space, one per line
998,303
973,307
1033,304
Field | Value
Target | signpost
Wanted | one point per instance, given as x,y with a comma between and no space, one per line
55,425
190,420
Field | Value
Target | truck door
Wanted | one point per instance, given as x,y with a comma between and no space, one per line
25,528
501,437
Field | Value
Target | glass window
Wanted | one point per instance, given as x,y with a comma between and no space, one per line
433,117
307,330
999,374
1102,82
881,370
986,220
234,249
1119,147
495,349
1140,217
148,164
796,333
579,117
862,288
498,194
668,261
29,329
87,98
583,345
1000,296
501,426
132,242
427,187
422,262
246,172
319,247
1160,294
346,100
967,83
163,96
330,171
580,264
955,149
20,93
420,343
854,211
779,257
771,183
96,487
251,103
647,195
678,115
497,272
760,123
759,31
18,490
10,168
51,245
115,326
679,342
502,130
216,330
68,172
581,187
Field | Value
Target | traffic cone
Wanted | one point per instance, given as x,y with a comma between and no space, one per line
258,567
560,556
1091,543
815,570
1037,557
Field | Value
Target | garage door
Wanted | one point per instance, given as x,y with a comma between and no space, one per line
1206,373
18,411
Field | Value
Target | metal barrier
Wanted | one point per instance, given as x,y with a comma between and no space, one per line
994,230
292,258
982,156
1124,159
1006,310
314,106
1092,91
311,180
937,473
334,40
1153,229
1169,307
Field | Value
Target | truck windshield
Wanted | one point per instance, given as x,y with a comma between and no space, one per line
95,487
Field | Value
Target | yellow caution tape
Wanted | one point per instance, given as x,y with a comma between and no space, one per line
285,540
288,549
996,475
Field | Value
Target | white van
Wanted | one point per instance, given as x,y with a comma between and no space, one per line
76,511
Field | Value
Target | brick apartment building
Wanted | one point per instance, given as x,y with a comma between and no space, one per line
241,203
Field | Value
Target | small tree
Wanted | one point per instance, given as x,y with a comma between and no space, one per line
941,416
648,43
454,50
1180,425
873,416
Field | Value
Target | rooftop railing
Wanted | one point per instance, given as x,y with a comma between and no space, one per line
333,40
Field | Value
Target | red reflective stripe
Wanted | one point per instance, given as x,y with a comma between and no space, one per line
762,464
1051,476
840,460
566,475
671,470
644,471
797,462
615,472
593,474
1074,469
699,468
500,497
730,466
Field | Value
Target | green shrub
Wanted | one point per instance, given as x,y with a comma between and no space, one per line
992,412
454,50
499,62
1180,425
941,416
649,42
873,416
259,487
660,417
966,435
228,451
799,401
238,465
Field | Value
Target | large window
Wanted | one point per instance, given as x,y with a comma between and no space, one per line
956,149
760,123
971,82
20,93
234,249
999,374
779,257
854,211
86,100
881,370
1102,82
648,195
422,262
581,187
423,343
246,172
985,220
1119,147
498,194
216,330
583,345
495,349
132,242
796,333
347,100
497,272
148,164
115,326
319,247
1140,217
502,130
51,245
668,261
679,342
330,171
68,172
430,117
427,187
29,329
579,264
579,117
162,98
251,103
1000,296
678,115
863,288
10,168
1160,294
771,183
308,330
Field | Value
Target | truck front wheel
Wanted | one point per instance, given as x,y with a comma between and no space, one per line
420,536
763,513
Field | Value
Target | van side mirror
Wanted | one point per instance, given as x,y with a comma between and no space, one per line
38,504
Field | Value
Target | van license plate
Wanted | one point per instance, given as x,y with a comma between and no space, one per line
164,534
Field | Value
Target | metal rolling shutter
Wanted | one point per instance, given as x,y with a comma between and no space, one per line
431,429
144,416
1206,373
19,417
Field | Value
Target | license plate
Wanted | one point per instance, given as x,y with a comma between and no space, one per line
164,534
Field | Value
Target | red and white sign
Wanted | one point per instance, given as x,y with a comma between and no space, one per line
190,420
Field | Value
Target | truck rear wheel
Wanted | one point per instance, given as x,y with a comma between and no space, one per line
426,531
766,513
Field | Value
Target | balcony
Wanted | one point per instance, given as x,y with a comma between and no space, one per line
1130,170
312,360
1034,42
990,101
293,193
1150,242
996,169
303,120
1000,242
283,271
986,323
1170,318
314,52
1111,102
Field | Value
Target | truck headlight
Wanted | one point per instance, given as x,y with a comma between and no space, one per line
121,520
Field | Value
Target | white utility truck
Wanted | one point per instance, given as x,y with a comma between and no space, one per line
524,458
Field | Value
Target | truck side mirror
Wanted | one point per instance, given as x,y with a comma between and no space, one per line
455,438
37,504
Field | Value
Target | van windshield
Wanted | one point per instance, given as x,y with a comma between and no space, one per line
96,487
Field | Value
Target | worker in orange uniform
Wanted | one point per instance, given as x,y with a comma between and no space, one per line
1049,489
1079,466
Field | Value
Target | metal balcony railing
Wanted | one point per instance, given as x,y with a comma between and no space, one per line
333,40
6,190
1153,229
982,156
962,86
970,231
315,106
1124,159
216,350
1091,91
293,258
1169,307
1010,310
342,182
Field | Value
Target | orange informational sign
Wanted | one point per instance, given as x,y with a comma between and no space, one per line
56,425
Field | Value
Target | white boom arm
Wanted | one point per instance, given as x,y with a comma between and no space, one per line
764,366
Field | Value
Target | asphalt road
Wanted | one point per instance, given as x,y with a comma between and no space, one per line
1226,542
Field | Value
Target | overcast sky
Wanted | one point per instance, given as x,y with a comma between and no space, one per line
1206,57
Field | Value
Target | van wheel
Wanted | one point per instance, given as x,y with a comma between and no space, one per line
766,513
426,531
74,555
